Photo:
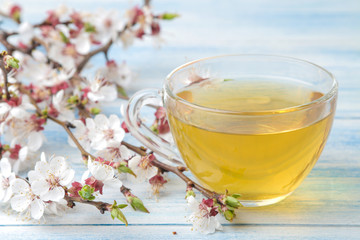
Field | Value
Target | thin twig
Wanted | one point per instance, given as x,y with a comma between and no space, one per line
4,73
102,206
178,170
88,56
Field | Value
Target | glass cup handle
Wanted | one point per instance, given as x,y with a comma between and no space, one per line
141,132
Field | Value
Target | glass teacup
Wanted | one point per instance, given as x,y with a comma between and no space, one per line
248,124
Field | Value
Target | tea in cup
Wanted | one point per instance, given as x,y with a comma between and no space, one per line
248,124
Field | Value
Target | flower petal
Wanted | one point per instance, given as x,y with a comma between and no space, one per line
54,194
102,172
43,157
83,44
40,187
125,153
119,135
58,165
4,108
2,191
20,203
23,153
7,195
101,121
33,176
111,185
134,162
110,93
43,169
18,112
35,140
19,186
37,208
5,167
67,176
114,122
150,172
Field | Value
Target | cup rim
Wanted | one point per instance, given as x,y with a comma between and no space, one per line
332,92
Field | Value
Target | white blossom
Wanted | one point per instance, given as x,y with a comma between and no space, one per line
104,131
49,178
100,90
60,104
25,199
26,33
118,74
25,132
6,179
18,109
142,168
103,173
56,208
201,217
108,25
82,134
115,152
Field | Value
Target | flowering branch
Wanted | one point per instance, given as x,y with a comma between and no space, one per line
58,92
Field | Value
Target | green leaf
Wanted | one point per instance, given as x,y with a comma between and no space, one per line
169,16
122,217
228,79
63,37
122,206
124,169
137,204
89,27
86,193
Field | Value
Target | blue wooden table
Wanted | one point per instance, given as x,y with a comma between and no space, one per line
325,206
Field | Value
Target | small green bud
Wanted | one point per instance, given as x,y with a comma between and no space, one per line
89,27
86,193
121,91
236,195
73,99
11,62
5,147
154,128
137,204
63,37
229,215
169,16
95,111
124,169
189,193
232,202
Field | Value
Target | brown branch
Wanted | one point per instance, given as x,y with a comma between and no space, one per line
178,170
102,206
88,56
4,73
